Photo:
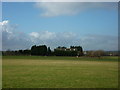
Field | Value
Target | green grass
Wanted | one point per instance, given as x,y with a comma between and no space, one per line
59,72
105,58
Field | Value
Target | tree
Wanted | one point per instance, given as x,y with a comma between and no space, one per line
48,51
33,50
97,53
79,49
39,50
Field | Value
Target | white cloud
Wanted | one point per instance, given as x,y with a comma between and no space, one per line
34,34
56,9
4,22
13,39
5,26
50,9
52,39
103,42
43,35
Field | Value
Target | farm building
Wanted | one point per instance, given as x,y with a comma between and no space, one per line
72,51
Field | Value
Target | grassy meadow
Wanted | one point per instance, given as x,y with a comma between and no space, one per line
59,72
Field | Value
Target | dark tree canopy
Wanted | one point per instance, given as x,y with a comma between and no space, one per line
49,51
43,50
39,50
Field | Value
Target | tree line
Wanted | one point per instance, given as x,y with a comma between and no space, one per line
43,50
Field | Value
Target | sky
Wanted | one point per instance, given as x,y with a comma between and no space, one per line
93,25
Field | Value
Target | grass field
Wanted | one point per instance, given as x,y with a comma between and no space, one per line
59,72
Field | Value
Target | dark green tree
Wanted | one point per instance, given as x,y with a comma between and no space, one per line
49,51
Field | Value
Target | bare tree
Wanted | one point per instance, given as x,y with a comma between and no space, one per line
97,53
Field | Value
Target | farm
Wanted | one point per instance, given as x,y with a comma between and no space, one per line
59,72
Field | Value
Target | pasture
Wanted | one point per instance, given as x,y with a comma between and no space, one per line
59,72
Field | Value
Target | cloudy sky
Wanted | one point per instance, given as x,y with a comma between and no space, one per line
91,25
